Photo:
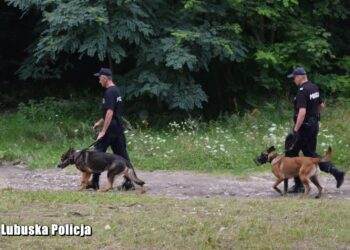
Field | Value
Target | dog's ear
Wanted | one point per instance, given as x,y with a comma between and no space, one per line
71,154
271,149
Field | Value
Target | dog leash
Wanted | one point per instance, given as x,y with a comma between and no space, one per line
87,148
92,144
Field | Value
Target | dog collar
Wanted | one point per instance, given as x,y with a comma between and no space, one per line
276,159
272,158
77,155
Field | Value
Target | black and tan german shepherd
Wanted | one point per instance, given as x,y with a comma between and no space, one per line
90,162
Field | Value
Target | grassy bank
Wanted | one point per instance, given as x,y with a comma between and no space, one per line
124,221
226,145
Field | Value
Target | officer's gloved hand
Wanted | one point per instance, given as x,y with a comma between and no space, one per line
291,140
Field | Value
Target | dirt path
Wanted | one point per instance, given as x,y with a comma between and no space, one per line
176,184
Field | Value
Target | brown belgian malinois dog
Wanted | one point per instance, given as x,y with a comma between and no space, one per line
285,168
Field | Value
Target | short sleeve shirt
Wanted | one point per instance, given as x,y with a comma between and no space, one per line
308,96
112,100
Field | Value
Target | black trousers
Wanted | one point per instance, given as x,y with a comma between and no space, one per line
116,142
307,140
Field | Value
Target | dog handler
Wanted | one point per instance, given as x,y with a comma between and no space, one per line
307,108
112,133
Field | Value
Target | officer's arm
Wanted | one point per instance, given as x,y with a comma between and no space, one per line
107,119
300,119
98,123
321,107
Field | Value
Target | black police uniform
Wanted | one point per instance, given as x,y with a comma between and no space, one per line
308,97
114,136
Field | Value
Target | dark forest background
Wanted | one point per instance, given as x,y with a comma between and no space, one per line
207,57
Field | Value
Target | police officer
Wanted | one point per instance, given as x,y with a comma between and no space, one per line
112,133
307,108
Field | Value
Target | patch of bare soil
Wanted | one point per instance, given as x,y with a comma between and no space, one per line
175,184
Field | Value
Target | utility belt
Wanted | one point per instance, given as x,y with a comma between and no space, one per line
117,118
117,122
309,119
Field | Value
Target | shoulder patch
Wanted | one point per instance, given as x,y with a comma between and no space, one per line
314,95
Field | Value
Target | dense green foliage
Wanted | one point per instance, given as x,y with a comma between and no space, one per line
182,52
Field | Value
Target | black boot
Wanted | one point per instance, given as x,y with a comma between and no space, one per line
338,174
94,183
298,187
127,185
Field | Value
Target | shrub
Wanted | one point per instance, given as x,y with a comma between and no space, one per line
54,109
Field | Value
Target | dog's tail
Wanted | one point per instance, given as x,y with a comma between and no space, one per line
327,157
132,175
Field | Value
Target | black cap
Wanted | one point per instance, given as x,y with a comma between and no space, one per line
297,72
104,72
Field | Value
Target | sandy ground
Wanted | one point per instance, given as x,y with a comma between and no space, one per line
175,184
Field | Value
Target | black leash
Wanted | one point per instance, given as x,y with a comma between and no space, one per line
93,144
87,148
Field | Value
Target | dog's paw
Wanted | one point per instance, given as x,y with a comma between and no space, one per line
143,190
126,188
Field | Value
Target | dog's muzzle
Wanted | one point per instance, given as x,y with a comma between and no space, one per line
62,165
262,159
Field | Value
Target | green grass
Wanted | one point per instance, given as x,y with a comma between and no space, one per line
124,221
227,145
40,144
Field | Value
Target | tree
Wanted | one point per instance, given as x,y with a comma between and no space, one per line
177,49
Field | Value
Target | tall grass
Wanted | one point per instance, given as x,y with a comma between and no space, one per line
227,145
